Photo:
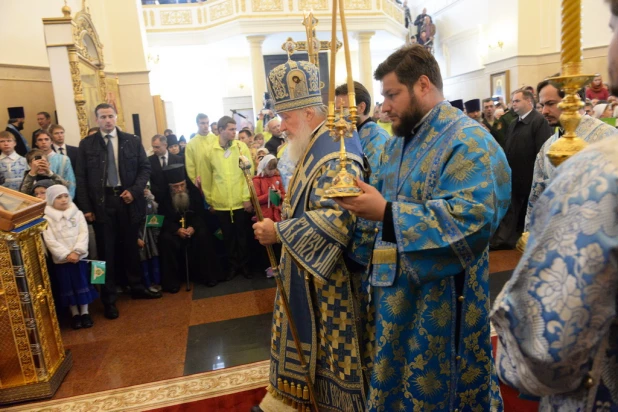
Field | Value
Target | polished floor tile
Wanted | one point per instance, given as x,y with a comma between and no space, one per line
233,306
229,343
237,285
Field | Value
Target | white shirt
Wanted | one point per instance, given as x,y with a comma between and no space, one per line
524,116
166,157
63,146
13,156
114,136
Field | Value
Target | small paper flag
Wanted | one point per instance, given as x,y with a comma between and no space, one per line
154,220
275,198
97,272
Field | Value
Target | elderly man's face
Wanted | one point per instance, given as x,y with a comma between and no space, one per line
274,127
178,187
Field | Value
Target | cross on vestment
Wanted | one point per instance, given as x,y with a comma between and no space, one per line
182,222
312,46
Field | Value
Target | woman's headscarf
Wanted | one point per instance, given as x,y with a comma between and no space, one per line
597,111
263,163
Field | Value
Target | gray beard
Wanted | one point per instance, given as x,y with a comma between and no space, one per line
180,201
298,143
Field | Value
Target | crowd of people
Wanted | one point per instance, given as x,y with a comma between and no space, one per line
389,290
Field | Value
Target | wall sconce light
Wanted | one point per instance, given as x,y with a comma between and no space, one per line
241,86
499,45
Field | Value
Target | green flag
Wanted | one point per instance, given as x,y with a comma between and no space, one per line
97,272
275,198
219,234
154,220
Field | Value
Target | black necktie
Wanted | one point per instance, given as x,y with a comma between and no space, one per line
163,162
61,150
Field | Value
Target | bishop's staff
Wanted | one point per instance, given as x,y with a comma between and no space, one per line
245,165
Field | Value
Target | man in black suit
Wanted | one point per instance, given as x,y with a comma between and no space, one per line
58,145
15,126
158,161
112,172
44,121
524,139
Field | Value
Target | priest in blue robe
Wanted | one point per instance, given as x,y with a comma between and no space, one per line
444,186
556,317
314,235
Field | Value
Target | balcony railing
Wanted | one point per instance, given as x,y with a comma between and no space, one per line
189,16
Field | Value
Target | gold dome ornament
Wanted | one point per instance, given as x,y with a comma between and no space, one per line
66,10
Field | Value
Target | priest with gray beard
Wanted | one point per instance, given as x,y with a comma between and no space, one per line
185,229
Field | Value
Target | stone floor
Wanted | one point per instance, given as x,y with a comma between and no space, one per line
187,333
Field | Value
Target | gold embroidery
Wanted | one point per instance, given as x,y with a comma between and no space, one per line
384,256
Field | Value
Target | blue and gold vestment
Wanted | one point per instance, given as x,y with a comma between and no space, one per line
556,317
315,236
427,333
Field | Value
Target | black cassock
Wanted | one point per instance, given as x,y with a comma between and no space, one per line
204,265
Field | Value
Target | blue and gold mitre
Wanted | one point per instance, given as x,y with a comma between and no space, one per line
295,85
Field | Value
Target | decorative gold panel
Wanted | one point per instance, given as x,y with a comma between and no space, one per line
357,4
267,5
199,16
243,5
145,18
176,17
313,5
290,5
221,10
152,18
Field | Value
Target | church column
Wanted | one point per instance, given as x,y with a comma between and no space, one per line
257,71
364,60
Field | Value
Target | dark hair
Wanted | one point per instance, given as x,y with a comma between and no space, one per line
32,153
40,132
548,82
200,116
224,121
246,131
489,99
613,6
93,129
272,164
53,127
47,115
410,63
168,130
527,94
362,95
104,106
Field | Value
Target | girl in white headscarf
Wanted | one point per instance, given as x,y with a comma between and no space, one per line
270,193
66,238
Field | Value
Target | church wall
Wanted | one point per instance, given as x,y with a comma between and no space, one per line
136,98
29,87
469,31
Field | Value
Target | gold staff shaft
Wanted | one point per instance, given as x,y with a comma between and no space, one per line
246,168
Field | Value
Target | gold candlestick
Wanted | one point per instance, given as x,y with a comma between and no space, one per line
571,81
344,184
348,66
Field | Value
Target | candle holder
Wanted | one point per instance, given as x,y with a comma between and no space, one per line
569,144
344,184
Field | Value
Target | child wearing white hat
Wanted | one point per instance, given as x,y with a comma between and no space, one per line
66,238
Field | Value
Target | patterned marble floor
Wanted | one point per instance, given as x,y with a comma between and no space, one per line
206,329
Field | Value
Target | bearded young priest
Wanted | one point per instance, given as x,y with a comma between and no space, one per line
184,202
443,187
315,233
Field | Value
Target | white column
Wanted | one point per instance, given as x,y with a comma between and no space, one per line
258,73
364,60
58,39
